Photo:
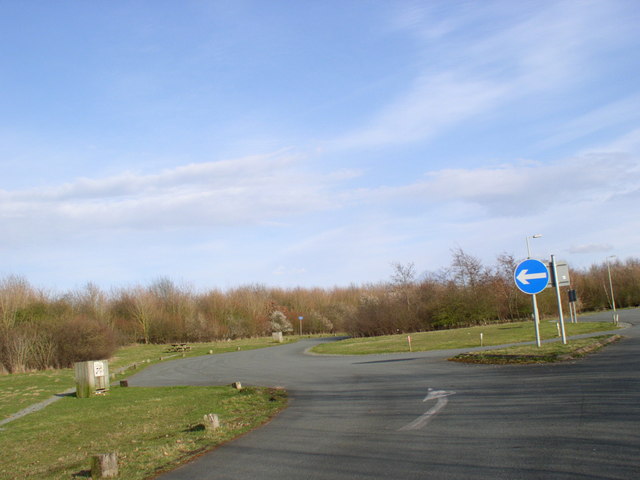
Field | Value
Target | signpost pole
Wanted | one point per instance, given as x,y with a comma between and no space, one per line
536,318
554,272
572,305
573,318
613,300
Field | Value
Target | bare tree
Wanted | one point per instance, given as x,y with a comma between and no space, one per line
143,309
467,269
15,294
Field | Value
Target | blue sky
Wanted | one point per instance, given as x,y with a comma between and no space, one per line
304,143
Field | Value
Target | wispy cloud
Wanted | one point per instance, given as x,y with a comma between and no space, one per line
246,191
480,72
614,114
520,188
433,103
591,248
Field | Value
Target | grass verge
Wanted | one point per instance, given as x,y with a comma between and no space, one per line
546,353
21,390
151,429
499,334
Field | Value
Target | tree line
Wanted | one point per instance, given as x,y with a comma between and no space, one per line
40,330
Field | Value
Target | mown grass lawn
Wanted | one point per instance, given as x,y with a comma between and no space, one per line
499,334
19,391
151,429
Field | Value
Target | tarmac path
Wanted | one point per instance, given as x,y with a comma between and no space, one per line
418,416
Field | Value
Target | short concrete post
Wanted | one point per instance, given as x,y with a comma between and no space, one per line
211,422
277,337
237,385
104,465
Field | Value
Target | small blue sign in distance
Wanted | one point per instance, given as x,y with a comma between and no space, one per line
531,276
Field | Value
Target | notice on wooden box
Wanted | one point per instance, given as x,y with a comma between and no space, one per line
98,369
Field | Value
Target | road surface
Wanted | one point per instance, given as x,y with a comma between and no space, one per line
418,416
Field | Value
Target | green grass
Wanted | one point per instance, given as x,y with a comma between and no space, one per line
19,391
546,353
500,334
151,429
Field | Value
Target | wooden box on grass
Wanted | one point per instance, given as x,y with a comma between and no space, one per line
91,377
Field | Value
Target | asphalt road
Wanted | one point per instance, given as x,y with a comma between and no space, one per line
418,416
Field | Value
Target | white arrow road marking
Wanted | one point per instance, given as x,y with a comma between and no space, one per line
524,277
422,420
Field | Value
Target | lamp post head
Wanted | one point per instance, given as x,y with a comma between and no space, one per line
537,235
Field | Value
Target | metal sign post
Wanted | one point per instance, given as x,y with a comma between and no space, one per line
531,277
573,298
613,299
536,318
556,282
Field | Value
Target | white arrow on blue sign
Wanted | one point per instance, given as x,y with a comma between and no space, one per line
531,276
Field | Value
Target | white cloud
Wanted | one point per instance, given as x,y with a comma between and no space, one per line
590,248
626,144
477,73
247,191
433,103
615,113
520,188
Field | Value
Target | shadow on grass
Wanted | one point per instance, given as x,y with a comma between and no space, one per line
82,474
195,428
66,394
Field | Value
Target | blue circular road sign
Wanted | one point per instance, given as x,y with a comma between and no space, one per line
531,276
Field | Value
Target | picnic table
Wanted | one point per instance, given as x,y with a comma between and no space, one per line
179,347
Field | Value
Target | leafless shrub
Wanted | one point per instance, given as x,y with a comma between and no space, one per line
15,349
81,339
15,295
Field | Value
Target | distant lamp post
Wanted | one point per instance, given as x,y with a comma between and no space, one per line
534,302
613,300
537,235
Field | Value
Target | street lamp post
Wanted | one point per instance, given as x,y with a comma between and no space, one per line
534,302
613,300
537,235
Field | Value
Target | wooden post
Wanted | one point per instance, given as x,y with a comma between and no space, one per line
104,465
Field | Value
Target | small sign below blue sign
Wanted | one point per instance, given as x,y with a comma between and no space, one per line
531,276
